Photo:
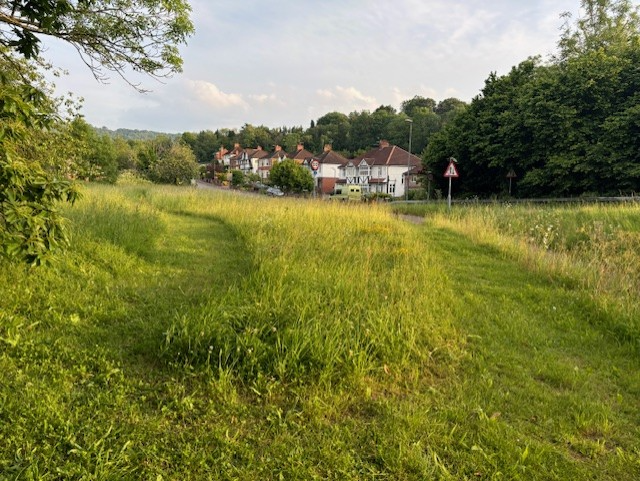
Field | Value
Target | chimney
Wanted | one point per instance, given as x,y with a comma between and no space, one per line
236,146
278,148
300,147
384,144
327,147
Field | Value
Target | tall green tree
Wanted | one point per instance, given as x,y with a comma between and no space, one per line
332,128
174,165
125,154
567,128
448,109
204,144
260,136
363,135
96,154
409,107
291,177
610,25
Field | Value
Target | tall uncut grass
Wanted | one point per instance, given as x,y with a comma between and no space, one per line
596,245
334,292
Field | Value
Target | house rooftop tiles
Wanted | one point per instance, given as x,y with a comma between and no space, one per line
257,153
300,153
386,154
277,153
328,156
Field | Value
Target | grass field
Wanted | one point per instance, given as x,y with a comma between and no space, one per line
207,335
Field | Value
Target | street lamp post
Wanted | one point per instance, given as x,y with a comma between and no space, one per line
406,186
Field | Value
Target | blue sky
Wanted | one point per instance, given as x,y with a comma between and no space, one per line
287,62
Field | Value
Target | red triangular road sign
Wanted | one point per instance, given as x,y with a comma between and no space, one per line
451,170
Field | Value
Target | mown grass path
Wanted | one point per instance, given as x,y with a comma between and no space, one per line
546,381
85,393
193,261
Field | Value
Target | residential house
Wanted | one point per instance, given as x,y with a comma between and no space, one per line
219,157
414,174
230,158
382,170
386,169
266,163
328,173
300,154
249,160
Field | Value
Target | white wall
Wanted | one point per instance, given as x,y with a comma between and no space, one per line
396,174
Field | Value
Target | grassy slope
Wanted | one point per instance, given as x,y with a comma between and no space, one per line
527,381
543,387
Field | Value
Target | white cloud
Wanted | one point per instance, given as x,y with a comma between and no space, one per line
353,96
289,61
325,94
213,96
339,99
265,98
346,99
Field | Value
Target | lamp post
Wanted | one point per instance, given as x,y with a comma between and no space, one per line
406,186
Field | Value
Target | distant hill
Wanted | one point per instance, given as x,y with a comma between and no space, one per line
133,134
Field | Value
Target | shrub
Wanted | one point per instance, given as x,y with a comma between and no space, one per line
176,166
132,177
237,178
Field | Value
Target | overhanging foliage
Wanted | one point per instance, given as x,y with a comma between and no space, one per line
110,35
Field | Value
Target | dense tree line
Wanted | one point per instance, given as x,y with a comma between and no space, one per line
161,158
567,127
349,134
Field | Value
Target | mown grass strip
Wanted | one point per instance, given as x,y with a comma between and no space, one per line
540,395
84,389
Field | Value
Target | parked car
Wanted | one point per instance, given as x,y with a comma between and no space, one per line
259,186
275,192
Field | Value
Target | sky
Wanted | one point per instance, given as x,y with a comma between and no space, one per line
286,62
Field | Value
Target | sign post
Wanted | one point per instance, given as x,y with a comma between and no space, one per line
451,172
511,175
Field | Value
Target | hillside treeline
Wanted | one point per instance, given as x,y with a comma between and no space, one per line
567,127
348,134
108,153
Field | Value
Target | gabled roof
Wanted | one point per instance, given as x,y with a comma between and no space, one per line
331,157
387,154
300,154
221,153
237,150
256,153
278,153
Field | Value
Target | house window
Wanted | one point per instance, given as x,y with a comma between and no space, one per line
392,188
364,170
